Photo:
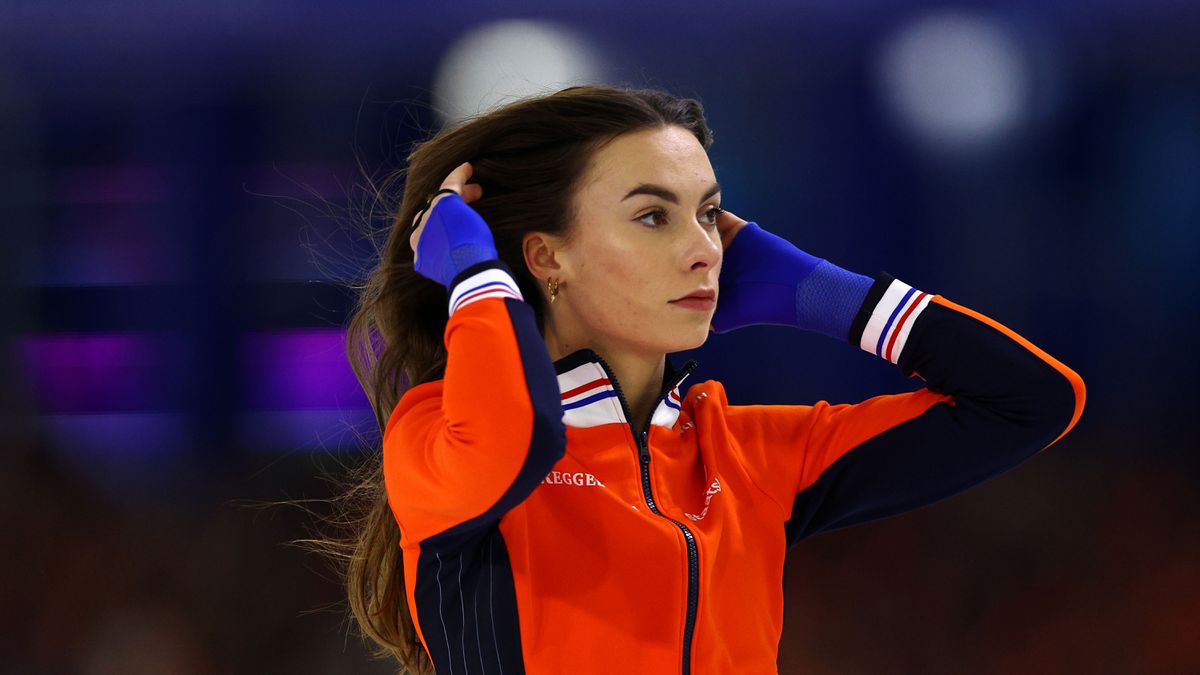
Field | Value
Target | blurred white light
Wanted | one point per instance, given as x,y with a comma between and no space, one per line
955,80
507,60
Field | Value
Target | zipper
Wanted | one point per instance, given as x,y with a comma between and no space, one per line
693,558
643,444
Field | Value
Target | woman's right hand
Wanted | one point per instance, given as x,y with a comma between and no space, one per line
450,236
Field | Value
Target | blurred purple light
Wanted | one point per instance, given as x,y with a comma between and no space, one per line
294,370
93,372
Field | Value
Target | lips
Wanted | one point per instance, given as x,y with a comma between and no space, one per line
700,300
702,294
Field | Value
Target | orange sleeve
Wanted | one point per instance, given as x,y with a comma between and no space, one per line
460,451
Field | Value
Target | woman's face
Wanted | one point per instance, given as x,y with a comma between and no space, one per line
645,236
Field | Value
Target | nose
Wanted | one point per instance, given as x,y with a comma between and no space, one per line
703,246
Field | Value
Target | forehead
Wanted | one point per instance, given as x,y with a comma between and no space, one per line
670,156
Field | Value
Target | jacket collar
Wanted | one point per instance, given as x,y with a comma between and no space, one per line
591,395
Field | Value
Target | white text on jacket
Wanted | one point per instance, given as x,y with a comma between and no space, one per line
567,478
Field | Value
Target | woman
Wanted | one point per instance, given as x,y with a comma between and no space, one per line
549,499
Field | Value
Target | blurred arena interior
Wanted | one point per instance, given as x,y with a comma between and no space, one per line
185,191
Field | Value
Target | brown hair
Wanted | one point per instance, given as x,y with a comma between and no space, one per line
529,157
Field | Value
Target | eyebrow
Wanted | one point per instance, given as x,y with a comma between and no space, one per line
660,191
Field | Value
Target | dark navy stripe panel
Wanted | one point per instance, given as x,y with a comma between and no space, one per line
1008,405
911,465
467,605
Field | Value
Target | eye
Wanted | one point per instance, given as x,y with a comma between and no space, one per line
709,217
657,212
712,214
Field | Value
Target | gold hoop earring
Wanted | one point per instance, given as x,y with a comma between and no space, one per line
552,287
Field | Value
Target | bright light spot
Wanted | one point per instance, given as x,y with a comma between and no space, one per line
507,60
955,80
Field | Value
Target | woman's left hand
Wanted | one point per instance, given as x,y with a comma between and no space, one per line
765,279
759,276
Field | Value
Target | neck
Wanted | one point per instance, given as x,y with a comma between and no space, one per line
640,375
641,381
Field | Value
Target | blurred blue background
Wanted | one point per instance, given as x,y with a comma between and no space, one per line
185,192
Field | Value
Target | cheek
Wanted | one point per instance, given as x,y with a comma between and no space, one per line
621,285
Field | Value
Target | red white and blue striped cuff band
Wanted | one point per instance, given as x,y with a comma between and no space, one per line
490,283
892,320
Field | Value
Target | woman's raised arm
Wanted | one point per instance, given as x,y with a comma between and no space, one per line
461,451
993,400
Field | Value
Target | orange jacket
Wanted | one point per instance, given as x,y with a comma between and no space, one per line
542,533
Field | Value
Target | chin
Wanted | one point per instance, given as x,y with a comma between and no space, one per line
667,337
690,339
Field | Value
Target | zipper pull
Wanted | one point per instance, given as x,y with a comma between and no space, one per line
644,448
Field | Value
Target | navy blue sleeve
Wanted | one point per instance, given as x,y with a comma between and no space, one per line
992,400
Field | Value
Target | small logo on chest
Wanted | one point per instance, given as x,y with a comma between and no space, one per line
577,478
708,495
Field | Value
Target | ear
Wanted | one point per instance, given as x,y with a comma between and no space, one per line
543,255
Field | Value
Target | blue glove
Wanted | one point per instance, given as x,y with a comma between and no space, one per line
767,280
455,237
